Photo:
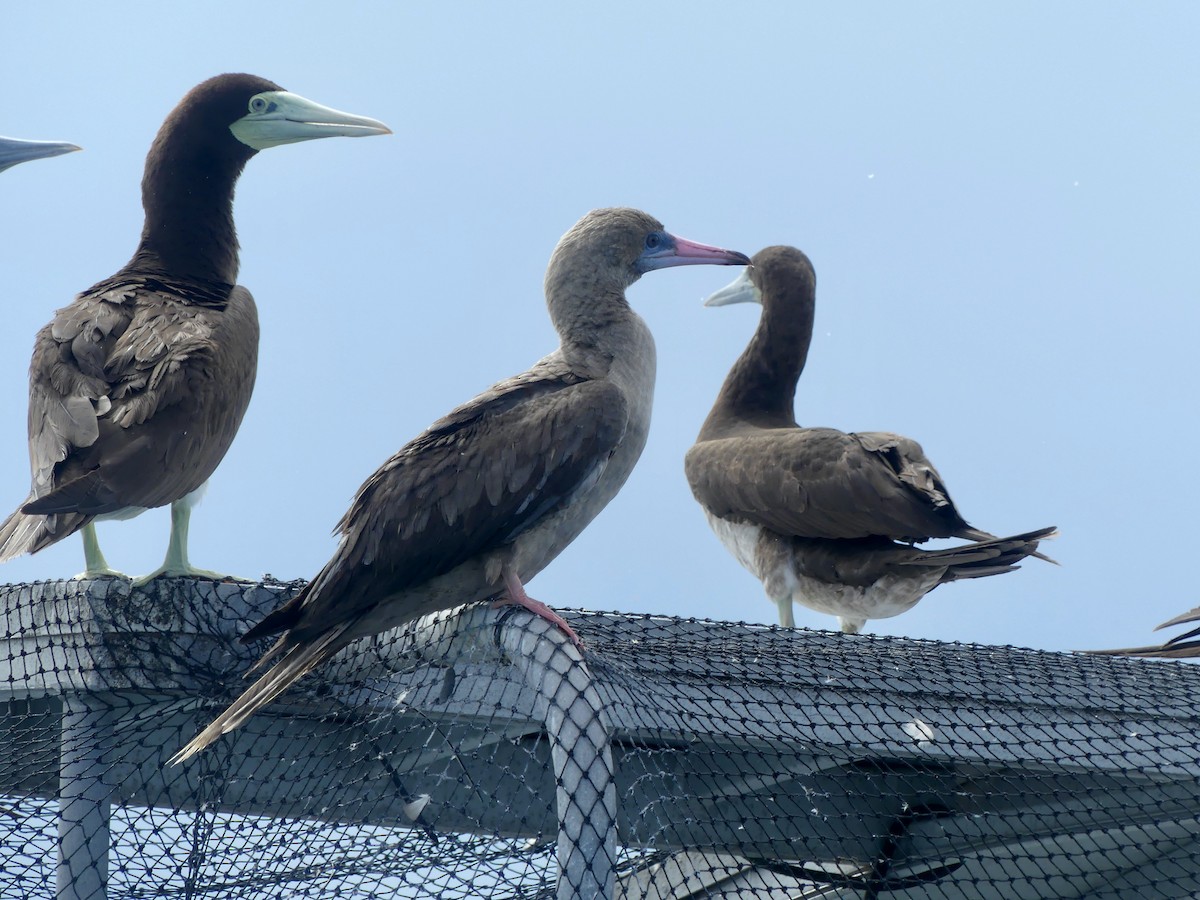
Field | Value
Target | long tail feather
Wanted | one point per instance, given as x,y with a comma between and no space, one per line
1192,615
1182,646
17,535
297,662
1169,650
25,533
992,556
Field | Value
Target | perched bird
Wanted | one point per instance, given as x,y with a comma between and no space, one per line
15,150
138,387
486,497
823,518
1182,646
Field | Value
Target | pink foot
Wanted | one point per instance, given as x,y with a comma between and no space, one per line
514,593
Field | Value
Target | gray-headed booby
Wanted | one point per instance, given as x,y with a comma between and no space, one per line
821,517
1182,646
486,497
16,150
137,388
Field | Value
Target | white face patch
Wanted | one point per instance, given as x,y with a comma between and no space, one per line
281,117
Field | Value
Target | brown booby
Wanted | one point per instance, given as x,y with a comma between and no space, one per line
823,518
16,150
1182,646
486,497
137,388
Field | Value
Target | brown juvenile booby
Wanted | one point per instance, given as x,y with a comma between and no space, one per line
1182,646
486,497
16,150
137,388
823,518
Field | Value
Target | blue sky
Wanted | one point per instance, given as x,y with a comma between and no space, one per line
1002,205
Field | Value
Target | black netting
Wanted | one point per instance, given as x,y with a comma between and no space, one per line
478,755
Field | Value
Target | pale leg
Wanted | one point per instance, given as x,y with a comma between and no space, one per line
786,616
95,565
176,564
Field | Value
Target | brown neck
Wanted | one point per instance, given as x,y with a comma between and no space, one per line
187,192
760,389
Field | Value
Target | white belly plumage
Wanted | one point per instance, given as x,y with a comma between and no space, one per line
772,559
740,539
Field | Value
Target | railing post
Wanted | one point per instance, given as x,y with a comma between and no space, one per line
84,801
572,709
580,747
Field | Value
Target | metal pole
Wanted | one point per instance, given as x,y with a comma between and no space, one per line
580,747
573,713
84,801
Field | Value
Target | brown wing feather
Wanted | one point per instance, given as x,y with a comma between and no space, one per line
136,391
823,483
121,385
469,485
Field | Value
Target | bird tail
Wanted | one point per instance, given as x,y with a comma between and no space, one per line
992,556
282,618
1170,650
1192,615
297,661
28,533
1182,646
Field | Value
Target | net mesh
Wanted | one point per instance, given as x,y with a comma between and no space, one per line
480,755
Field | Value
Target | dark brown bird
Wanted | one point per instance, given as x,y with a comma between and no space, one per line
821,517
486,497
16,150
137,389
1182,646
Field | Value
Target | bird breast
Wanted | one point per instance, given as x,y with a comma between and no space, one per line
632,370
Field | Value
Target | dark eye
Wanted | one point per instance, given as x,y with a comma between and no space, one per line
258,104
653,240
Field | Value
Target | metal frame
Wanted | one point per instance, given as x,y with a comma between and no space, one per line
894,764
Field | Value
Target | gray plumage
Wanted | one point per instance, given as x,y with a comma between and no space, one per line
137,389
822,517
486,497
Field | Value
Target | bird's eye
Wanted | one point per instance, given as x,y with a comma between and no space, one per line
258,104
653,240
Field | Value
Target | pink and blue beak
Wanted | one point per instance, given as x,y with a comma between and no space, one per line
664,250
